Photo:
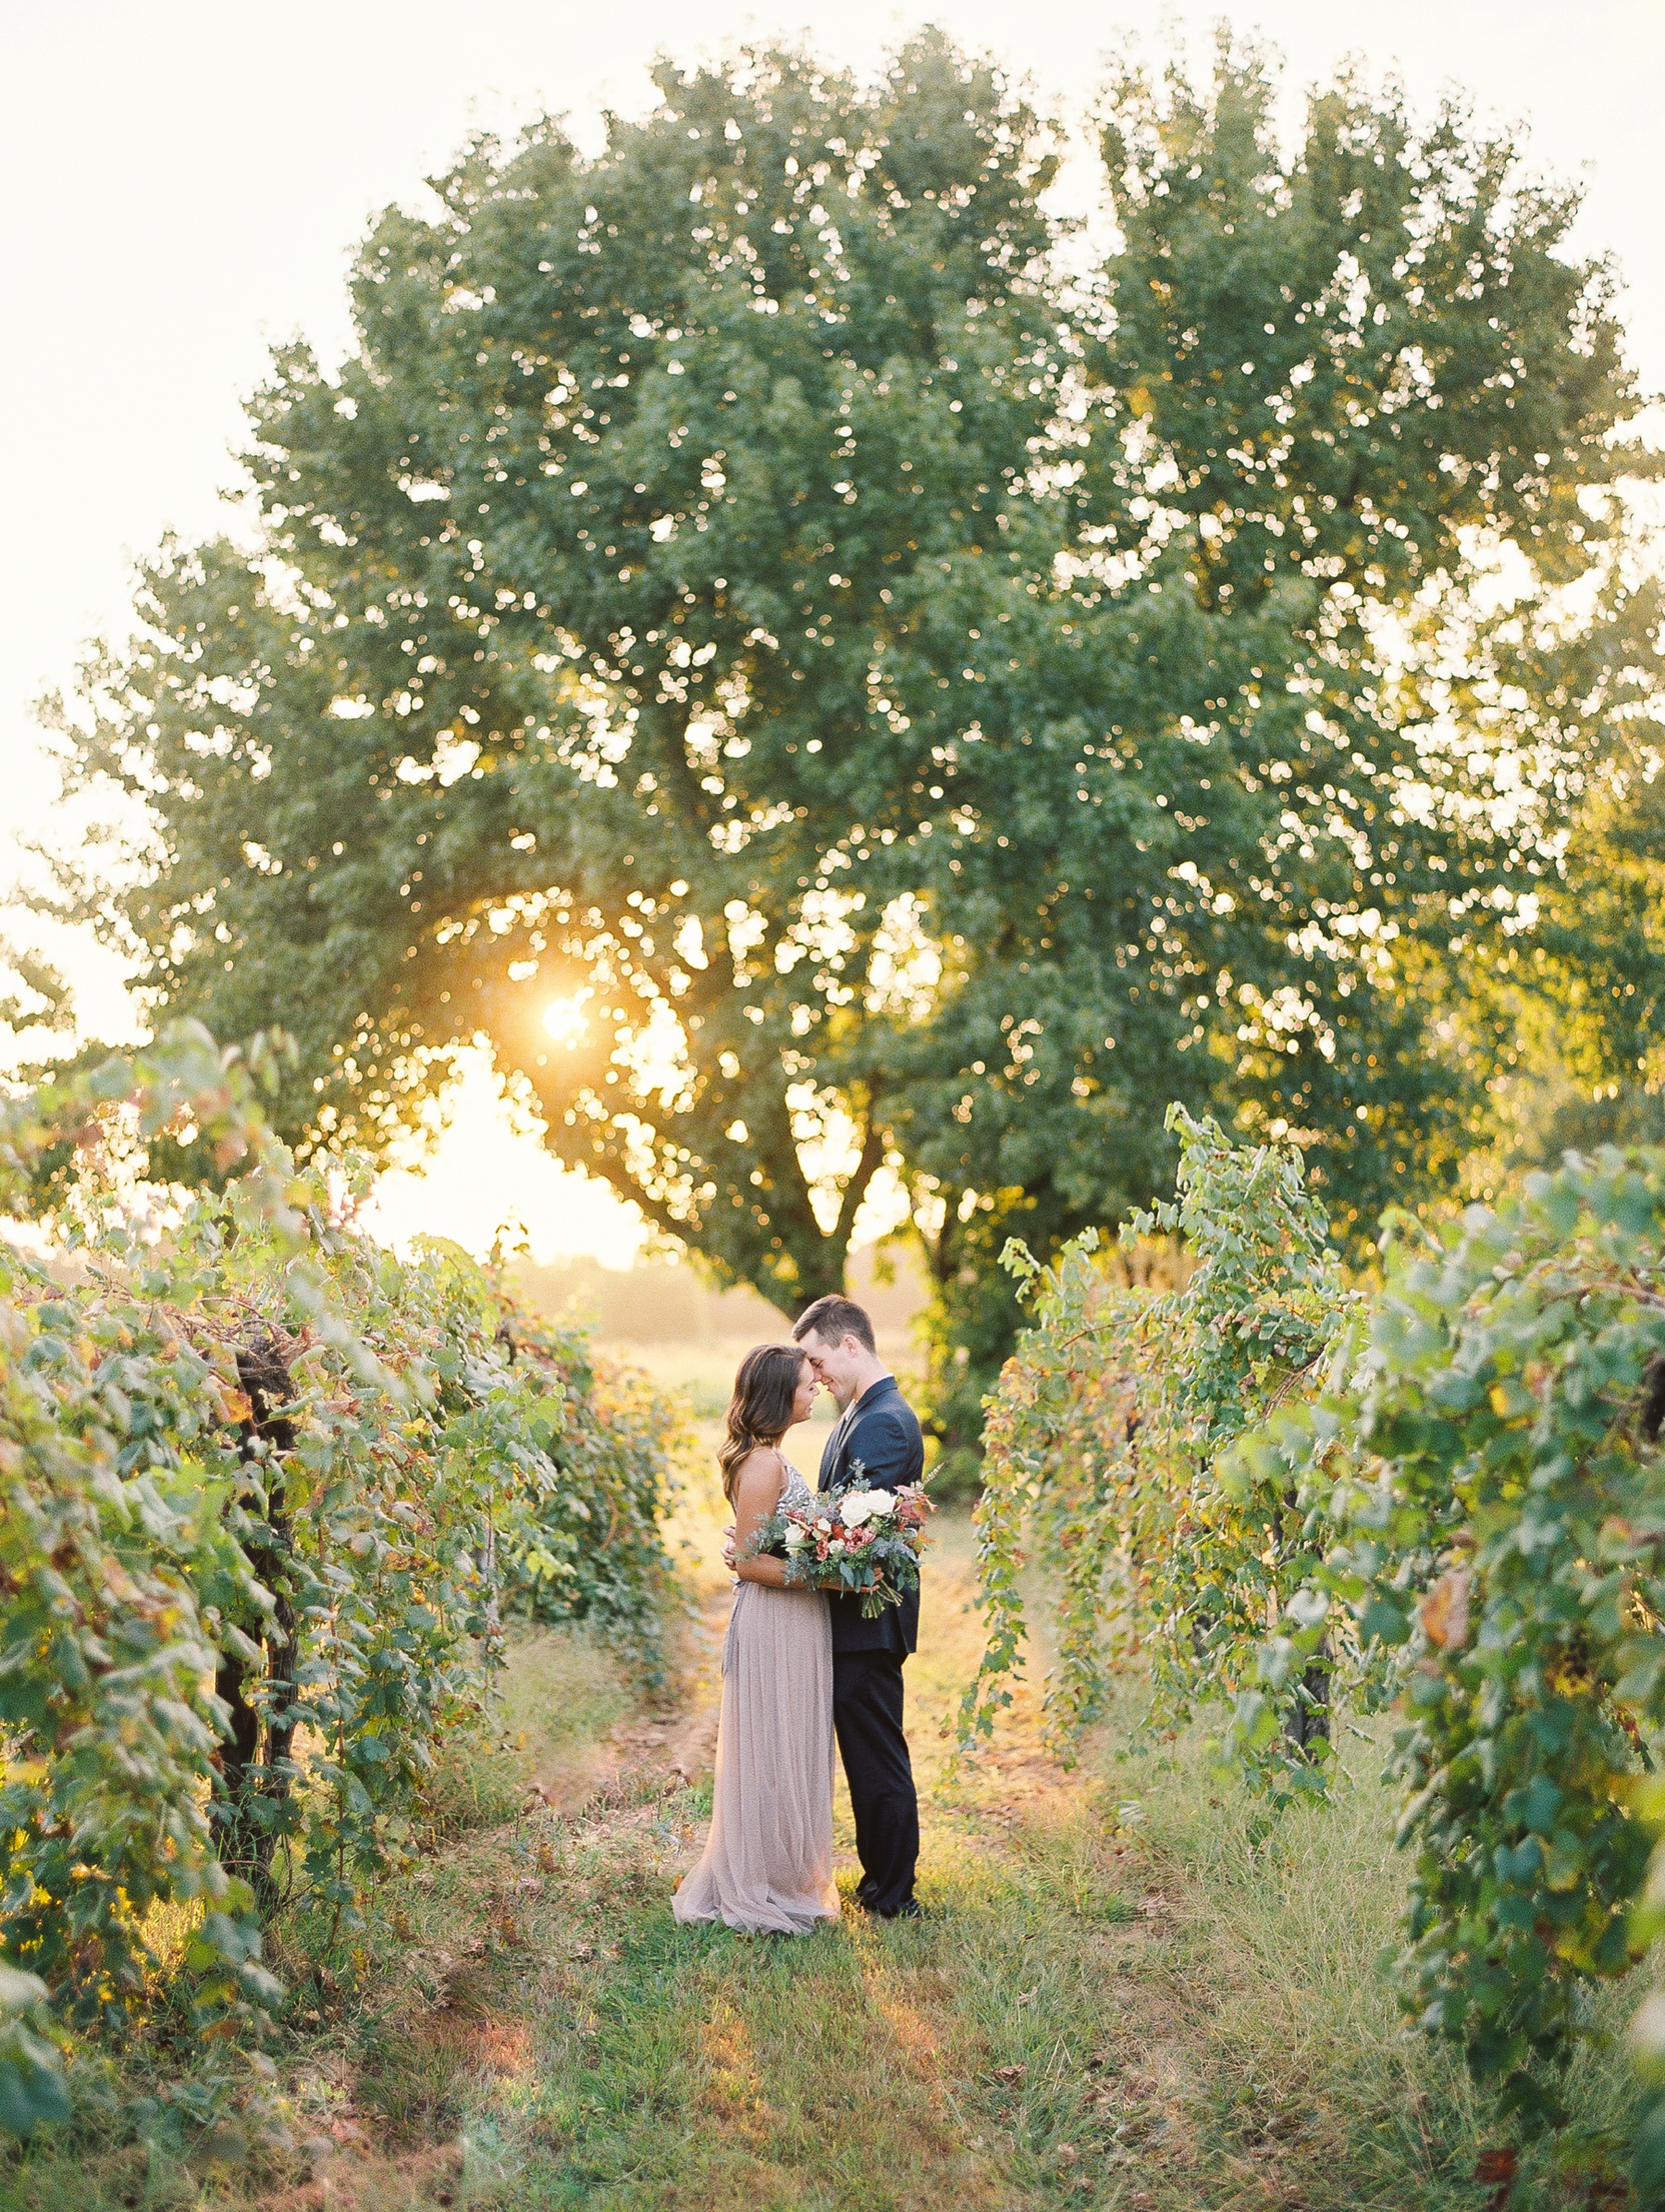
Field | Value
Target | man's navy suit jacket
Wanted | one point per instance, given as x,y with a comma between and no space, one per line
881,1432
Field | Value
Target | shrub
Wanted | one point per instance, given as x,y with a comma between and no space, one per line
1106,1433
1449,1491
267,1489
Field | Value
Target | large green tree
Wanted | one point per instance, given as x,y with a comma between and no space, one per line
1348,633
905,706
592,670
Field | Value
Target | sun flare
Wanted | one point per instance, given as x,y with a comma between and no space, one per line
565,1019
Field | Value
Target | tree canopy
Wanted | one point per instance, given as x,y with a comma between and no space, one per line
822,685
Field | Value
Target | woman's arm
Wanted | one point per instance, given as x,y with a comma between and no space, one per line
757,1494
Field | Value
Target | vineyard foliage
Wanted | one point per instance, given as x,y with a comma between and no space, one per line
1109,1427
1448,1491
268,1491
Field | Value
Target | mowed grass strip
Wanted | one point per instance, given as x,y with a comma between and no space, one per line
723,2072
950,2062
923,2064
1136,1991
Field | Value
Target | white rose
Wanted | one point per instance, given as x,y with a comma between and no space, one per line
796,1539
865,1505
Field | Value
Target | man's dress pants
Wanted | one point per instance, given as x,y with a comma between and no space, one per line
867,1712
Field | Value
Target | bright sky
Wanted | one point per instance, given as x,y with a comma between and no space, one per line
185,181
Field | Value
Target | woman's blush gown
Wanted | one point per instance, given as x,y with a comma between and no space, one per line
768,1862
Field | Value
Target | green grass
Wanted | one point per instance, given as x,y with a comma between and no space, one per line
1135,1992
560,1694
1294,2054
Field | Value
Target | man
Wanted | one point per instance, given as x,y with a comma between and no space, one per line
878,1433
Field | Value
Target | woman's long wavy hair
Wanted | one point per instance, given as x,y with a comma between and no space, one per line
759,1412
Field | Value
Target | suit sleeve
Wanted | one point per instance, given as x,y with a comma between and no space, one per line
889,1454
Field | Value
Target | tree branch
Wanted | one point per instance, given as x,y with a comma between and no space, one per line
871,1159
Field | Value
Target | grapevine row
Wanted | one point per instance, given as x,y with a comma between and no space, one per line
266,1493
1278,1486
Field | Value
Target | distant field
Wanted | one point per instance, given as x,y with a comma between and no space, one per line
704,1369
691,1339
665,1302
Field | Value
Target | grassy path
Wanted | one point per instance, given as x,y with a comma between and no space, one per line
1133,1995
613,2060
1114,2003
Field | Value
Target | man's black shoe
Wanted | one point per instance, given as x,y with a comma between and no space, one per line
912,1910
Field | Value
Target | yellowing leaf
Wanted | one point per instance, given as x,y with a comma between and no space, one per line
1444,1612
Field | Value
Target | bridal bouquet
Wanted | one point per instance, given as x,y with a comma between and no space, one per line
852,1538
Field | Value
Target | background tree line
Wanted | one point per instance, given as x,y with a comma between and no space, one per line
919,699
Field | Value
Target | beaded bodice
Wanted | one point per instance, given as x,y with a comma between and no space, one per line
795,1492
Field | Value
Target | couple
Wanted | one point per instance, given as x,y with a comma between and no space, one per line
798,1664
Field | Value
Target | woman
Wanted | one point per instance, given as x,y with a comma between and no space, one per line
768,1863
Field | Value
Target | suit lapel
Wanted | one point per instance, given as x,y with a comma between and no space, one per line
834,1454
836,1444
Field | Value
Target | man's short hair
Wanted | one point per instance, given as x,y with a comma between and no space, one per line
832,1319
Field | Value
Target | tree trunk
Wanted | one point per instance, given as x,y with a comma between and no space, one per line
253,1789
1307,1722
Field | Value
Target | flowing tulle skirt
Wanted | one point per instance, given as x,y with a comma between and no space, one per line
768,1863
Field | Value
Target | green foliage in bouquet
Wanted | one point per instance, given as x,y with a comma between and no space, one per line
266,1490
852,1538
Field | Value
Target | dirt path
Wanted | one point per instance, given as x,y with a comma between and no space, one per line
545,2036
530,2031
1022,2037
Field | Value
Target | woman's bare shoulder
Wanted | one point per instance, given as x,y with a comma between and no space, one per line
760,1478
